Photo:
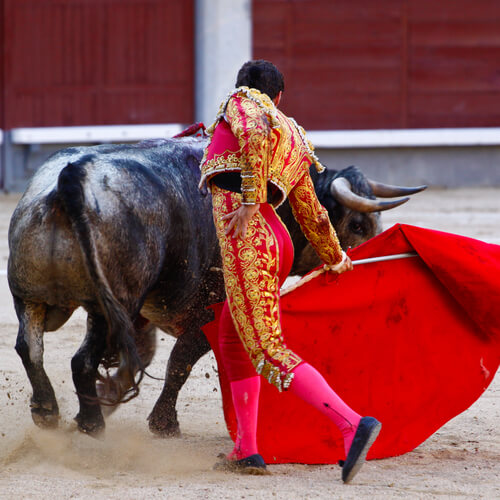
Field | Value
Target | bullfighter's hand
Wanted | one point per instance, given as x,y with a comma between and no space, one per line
239,219
345,266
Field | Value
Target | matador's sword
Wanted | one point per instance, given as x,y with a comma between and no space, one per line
369,260
384,257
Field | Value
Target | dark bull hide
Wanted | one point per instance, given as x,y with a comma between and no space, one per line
123,231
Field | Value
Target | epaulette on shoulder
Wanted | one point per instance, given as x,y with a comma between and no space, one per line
261,99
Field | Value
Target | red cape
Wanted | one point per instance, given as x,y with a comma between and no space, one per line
412,342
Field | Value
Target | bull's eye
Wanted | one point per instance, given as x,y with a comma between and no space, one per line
356,227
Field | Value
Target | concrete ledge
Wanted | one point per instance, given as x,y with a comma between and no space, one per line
405,138
436,157
103,133
345,139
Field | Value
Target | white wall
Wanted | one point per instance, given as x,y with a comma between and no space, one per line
223,42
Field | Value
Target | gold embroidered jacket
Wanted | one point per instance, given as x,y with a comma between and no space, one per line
251,136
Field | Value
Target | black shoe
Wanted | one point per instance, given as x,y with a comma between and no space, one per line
253,465
365,436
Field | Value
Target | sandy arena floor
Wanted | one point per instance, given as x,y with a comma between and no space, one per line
461,460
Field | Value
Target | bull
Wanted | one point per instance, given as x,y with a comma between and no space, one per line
124,232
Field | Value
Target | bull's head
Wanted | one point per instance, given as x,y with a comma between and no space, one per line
351,201
356,209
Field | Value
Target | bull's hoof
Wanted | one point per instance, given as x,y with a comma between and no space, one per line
94,427
46,419
163,427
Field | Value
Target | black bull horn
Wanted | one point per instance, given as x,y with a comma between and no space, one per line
341,190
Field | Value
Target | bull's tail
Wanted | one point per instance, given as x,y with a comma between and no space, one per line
70,190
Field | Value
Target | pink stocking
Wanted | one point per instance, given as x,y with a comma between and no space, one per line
245,394
310,386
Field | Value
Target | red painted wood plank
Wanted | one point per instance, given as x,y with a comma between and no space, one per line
454,109
342,60
464,33
384,64
344,110
128,61
455,68
445,11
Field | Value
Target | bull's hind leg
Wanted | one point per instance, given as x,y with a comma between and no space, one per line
84,365
29,346
188,349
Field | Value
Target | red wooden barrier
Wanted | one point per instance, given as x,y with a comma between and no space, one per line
98,62
389,64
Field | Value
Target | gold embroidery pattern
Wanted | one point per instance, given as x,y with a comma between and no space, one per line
221,163
290,158
314,221
262,100
272,146
250,125
251,278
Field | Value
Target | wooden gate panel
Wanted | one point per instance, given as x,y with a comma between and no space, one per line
98,62
392,64
341,60
454,71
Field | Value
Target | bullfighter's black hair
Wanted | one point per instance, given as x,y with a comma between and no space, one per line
261,75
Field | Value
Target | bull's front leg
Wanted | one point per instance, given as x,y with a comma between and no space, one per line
29,346
84,365
188,349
